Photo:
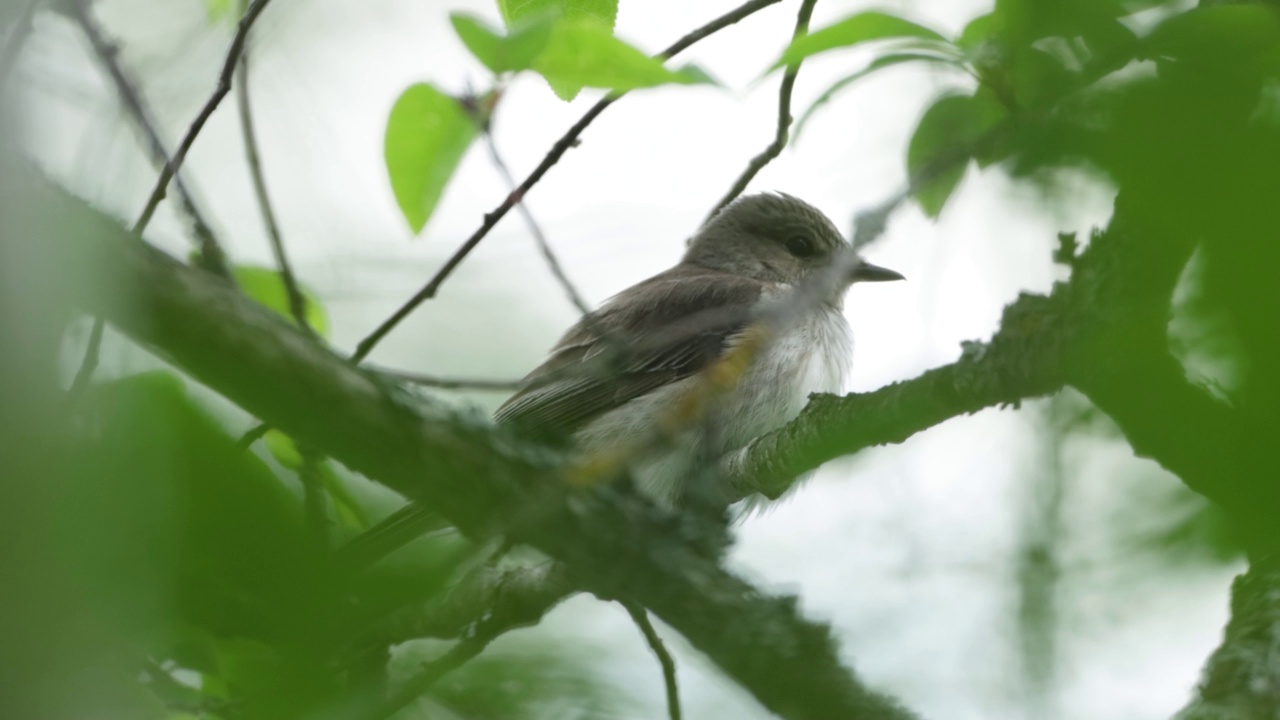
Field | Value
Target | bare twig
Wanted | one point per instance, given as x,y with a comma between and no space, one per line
211,253
17,39
252,435
557,151
297,302
553,263
430,672
214,258
775,148
88,364
220,91
314,496
641,619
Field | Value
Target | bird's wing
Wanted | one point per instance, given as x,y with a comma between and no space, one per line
664,329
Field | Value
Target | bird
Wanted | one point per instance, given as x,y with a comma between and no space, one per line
623,370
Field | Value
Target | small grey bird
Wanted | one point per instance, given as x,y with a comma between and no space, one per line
624,368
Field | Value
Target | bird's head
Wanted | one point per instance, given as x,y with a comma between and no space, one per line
776,238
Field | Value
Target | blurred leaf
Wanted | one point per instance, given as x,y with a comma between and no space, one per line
603,12
427,134
943,143
854,30
1037,76
218,10
525,682
978,31
248,667
1225,36
172,479
1177,525
1021,22
283,449
505,53
584,53
265,286
878,64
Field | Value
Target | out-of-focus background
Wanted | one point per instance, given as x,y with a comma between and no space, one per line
992,567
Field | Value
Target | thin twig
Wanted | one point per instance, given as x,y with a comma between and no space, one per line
430,672
252,436
553,263
297,301
451,383
557,151
220,91
313,496
641,619
16,40
90,361
211,253
775,148
88,364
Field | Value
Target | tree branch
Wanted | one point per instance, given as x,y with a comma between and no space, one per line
450,383
561,146
481,478
108,54
1022,360
17,38
220,91
641,619
775,148
1103,332
549,255
1241,680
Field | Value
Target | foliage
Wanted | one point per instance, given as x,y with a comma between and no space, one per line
199,555
427,134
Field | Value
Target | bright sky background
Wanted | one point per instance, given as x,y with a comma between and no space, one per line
909,551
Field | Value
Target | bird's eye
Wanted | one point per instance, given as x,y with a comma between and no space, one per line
801,246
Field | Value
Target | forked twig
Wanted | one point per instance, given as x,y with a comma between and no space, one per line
557,151
776,147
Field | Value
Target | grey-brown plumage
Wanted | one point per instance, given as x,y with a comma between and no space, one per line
616,370
673,324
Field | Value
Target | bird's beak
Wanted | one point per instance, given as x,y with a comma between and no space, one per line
866,272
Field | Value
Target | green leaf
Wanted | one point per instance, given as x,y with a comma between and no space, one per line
163,473
517,13
427,134
854,30
878,64
978,31
283,449
216,11
504,53
942,145
584,53
603,12
1221,35
266,287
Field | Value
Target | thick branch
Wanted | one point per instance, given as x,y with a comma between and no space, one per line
1021,361
1103,332
1242,678
481,478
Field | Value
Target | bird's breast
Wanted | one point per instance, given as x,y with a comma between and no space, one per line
809,356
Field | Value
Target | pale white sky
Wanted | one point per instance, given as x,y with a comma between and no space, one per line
908,551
